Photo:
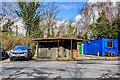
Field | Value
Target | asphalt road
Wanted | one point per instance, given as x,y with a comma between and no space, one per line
60,69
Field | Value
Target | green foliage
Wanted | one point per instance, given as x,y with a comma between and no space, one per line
117,22
104,28
6,27
10,41
30,12
79,37
92,29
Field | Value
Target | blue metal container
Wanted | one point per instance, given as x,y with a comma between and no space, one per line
101,45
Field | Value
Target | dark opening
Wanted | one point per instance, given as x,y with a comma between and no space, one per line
52,44
49,48
110,44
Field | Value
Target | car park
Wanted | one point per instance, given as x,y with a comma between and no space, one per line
21,52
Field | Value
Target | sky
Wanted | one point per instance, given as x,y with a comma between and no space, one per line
70,10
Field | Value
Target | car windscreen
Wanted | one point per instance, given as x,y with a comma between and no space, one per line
20,48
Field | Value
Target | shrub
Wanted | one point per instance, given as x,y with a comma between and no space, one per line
10,41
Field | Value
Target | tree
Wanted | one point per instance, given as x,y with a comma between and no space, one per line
90,13
51,15
118,23
6,27
104,28
70,29
61,30
16,30
118,34
31,13
92,31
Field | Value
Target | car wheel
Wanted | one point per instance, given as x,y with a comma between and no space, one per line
30,58
27,58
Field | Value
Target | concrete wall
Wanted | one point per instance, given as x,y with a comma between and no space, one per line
68,53
47,53
65,52
52,53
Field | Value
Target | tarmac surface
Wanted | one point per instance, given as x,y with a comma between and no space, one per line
60,69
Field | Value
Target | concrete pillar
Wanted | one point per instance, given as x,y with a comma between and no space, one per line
37,49
68,55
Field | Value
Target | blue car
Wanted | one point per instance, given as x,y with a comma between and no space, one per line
21,52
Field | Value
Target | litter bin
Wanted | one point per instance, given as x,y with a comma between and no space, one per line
81,48
75,54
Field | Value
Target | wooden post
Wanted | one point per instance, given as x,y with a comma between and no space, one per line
58,47
71,49
37,49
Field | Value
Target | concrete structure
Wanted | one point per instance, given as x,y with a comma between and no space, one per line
52,48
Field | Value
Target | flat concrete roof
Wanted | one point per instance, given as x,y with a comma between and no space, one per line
47,39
